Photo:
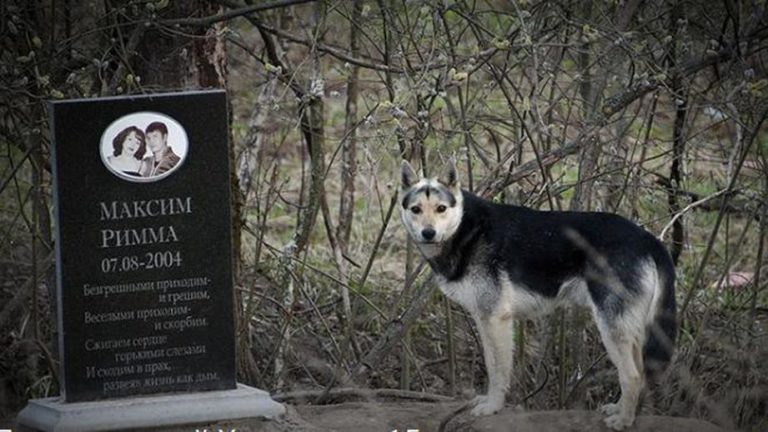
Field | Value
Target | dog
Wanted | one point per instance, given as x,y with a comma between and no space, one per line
503,262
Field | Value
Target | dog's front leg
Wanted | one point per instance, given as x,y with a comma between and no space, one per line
498,350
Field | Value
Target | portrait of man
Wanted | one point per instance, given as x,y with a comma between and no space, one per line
163,158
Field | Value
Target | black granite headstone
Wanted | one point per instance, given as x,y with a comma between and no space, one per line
143,244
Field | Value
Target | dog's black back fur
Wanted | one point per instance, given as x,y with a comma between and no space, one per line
541,250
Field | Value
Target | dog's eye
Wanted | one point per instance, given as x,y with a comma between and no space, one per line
441,208
416,210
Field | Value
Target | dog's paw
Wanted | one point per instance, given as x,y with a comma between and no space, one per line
609,409
487,406
619,422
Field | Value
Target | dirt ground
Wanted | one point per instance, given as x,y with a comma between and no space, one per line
366,416
427,417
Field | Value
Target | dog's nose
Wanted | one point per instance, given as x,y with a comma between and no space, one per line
428,233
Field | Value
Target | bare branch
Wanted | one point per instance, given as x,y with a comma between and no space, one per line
236,13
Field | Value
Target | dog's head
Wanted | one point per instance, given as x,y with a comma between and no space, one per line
431,208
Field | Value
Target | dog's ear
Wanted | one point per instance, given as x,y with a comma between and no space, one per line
408,176
448,175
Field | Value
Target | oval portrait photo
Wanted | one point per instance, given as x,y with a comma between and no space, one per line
144,146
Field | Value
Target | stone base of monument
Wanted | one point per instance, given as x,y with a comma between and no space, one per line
148,411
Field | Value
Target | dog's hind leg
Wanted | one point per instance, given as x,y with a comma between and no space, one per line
625,351
498,349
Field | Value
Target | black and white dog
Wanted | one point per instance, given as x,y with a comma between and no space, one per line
502,262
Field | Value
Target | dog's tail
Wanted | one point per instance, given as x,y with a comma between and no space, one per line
661,329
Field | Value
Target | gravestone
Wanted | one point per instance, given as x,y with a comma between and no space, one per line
144,264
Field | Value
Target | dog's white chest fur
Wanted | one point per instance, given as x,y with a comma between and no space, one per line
468,290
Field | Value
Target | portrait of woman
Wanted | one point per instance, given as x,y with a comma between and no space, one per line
128,149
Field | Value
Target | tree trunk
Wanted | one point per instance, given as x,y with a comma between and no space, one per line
349,147
680,101
588,158
169,62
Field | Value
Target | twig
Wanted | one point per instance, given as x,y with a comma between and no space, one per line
372,64
333,279
341,266
16,168
395,330
447,419
466,406
579,381
133,42
687,208
376,245
235,13
24,292
352,392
